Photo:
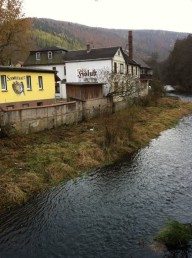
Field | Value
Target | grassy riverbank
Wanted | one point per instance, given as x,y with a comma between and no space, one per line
32,163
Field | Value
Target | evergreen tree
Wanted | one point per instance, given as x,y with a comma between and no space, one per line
178,66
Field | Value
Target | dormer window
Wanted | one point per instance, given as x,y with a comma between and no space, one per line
38,56
49,55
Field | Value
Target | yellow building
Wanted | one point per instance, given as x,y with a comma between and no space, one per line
26,87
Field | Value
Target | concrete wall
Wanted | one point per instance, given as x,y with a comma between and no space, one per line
97,107
29,120
40,118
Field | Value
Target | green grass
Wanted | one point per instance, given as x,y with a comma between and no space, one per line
175,235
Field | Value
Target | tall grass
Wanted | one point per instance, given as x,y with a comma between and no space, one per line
120,127
175,235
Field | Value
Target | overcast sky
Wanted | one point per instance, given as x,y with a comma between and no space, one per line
171,15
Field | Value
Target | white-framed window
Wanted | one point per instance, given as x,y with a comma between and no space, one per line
64,70
50,55
40,80
29,85
54,68
3,83
121,68
38,56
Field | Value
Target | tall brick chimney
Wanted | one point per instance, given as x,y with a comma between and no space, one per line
130,44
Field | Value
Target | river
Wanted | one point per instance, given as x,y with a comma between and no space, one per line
113,212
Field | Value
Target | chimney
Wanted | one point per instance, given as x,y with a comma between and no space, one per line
88,48
130,45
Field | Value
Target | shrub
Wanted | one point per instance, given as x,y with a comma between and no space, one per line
175,235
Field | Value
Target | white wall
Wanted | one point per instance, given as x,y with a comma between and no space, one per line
89,71
88,67
119,59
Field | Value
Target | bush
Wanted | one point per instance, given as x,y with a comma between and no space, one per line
175,235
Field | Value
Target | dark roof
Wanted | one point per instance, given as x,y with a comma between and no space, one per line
52,48
25,69
140,61
136,60
58,54
128,60
93,54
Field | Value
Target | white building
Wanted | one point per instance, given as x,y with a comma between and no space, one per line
90,66
93,65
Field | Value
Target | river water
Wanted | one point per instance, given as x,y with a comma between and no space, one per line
113,212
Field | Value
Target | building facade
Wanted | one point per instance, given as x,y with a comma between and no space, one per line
81,68
93,66
25,87
52,58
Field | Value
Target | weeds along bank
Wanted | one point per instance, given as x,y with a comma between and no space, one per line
34,162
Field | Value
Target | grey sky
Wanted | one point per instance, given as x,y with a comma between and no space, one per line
172,15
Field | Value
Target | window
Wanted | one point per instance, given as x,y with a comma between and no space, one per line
127,69
132,70
10,107
115,67
57,87
40,80
64,70
29,86
25,105
3,83
121,68
39,104
119,52
38,56
54,68
49,55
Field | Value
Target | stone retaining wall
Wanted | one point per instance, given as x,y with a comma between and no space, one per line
35,119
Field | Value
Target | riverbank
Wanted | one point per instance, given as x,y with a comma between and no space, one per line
33,163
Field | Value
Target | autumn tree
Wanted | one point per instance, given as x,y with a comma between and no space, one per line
14,31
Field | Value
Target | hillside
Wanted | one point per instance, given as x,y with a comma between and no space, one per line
48,32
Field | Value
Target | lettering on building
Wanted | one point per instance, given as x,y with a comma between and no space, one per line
15,78
86,73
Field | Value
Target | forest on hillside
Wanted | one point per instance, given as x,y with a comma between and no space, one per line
37,33
47,32
177,69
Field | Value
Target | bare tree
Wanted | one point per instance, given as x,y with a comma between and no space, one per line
121,86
